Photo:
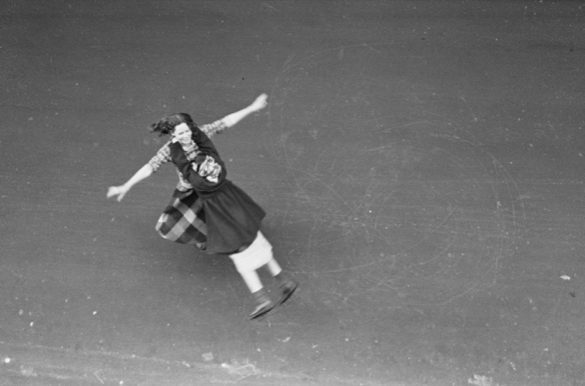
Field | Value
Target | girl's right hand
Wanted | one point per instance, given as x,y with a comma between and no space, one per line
119,191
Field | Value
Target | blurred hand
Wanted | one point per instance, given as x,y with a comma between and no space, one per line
260,102
210,169
119,191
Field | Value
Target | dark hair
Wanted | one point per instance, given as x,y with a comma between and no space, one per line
167,124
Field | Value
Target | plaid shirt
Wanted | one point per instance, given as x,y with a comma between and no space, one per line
164,154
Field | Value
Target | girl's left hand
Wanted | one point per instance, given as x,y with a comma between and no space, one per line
260,102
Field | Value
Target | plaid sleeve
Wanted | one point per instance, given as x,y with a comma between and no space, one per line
161,156
211,129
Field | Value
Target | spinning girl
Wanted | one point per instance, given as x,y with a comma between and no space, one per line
207,209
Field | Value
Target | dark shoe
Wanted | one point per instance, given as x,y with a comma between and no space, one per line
262,309
287,289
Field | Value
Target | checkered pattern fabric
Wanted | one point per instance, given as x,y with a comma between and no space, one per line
183,220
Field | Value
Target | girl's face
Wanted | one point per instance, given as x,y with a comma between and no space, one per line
182,133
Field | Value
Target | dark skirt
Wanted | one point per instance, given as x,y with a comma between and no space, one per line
221,223
233,219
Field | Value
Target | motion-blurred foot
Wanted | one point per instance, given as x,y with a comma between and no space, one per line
287,289
262,309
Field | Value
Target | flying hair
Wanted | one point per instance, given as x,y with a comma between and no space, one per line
166,125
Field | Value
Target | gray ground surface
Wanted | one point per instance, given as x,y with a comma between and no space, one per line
420,161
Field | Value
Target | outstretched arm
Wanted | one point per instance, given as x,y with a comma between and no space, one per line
258,104
120,191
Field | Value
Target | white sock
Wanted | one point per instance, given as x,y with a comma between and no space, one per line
252,280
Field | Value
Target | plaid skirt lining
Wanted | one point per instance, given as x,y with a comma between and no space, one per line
183,220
